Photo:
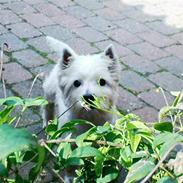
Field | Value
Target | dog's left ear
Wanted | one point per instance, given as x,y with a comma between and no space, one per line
114,66
110,52
63,50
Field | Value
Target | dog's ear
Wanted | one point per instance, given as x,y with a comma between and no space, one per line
110,52
114,66
63,50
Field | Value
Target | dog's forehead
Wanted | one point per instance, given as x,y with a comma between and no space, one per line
95,60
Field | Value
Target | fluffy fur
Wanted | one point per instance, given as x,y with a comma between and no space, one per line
61,93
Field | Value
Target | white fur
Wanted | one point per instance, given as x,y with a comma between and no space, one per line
58,86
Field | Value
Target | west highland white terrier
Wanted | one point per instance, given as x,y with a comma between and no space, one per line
75,77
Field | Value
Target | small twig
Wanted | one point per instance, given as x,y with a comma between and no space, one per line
1,67
99,142
68,109
32,85
166,102
61,180
42,143
159,163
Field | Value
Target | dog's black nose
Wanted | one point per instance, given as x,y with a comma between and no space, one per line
89,98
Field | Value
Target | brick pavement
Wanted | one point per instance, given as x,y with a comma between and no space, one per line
148,36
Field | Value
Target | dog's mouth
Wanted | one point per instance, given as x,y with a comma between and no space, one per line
88,105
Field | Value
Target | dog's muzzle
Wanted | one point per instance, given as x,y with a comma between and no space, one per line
89,99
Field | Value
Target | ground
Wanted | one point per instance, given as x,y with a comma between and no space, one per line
148,37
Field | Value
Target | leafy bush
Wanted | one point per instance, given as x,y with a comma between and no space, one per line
130,149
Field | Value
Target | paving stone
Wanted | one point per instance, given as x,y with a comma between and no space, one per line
79,12
24,30
128,101
147,114
68,21
81,46
40,44
120,50
29,58
161,27
13,42
122,36
28,118
92,5
49,9
62,3
140,64
37,19
131,25
23,89
117,5
178,37
155,98
20,7
57,32
109,14
175,50
99,23
140,16
172,64
35,128
167,81
90,34
8,17
14,73
33,2
42,69
8,92
134,82
156,38
2,30
54,57
148,51
5,58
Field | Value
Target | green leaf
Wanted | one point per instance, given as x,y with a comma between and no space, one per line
86,151
80,139
5,115
134,140
11,101
137,125
74,162
163,137
51,129
167,140
167,180
3,171
37,168
177,99
109,177
12,140
163,126
126,156
103,129
139,170
39,101
65,151
76,122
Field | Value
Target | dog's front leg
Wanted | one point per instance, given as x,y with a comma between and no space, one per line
48,110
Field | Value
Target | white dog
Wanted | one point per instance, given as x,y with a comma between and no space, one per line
80,76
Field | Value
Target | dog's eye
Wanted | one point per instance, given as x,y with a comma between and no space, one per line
102,82
77,83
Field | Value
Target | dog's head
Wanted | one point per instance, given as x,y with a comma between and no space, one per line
86,76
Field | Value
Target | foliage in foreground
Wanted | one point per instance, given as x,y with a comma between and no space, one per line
129,149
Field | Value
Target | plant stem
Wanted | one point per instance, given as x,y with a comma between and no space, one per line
99,142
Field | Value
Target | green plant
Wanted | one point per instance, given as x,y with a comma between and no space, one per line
130,147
